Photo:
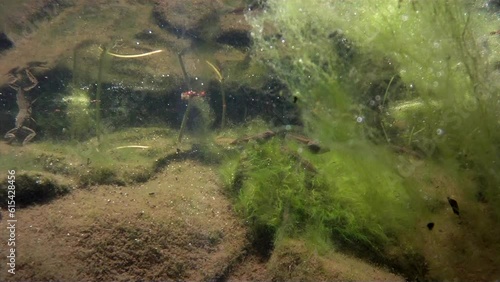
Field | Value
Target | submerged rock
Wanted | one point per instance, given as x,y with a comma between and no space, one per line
234,31
184,18
5,42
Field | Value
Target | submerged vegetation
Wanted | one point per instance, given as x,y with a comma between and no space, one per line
367,127
389,86
126,157
434,93
344,197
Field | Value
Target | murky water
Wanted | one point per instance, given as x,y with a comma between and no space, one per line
250,140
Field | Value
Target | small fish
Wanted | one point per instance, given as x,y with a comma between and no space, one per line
430,225
454,206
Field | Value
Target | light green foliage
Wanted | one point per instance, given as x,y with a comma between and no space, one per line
437,46
444,50
299,56
353,199
228,171
329,53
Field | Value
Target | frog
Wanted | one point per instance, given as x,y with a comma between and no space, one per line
19,77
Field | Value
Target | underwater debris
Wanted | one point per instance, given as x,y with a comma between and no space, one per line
131,146
312,146
266,135
135,55
430,225
454,206
217,71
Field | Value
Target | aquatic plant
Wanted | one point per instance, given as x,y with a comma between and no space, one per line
190,101
396,87
440,52
448,58
220,78
337,199
102,58
190,95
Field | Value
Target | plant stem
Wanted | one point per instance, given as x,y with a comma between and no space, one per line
224,106
220,78
98,93
190,103
73,79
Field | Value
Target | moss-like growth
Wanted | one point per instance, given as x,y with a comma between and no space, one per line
438,53
415,76
33,188
127,157
342,199
55,163
101,176
292,260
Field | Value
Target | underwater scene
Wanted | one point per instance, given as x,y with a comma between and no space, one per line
249,140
